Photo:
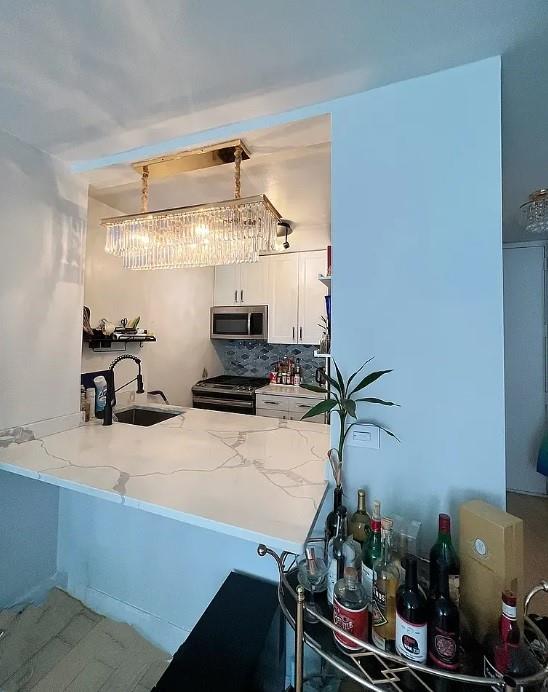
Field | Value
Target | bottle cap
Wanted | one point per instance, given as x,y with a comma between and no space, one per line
376,509
387,524
444,523
509,598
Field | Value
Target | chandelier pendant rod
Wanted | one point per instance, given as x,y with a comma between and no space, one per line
237,171
144,190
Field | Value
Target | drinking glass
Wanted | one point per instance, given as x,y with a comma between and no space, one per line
313,581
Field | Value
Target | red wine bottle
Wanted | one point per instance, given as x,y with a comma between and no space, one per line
505,654
443,624
331,519
443,553
411,616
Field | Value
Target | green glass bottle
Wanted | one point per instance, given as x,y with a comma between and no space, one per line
372,549
444,554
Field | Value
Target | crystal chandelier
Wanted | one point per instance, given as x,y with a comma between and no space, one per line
228,232
535,212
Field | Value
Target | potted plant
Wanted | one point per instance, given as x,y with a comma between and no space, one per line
342,400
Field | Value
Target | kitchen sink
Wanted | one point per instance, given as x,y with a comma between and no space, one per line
143,416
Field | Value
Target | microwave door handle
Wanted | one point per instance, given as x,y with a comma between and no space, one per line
249,323
236,296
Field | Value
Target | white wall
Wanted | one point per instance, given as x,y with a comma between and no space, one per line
42,226
173,303
416,207
41,238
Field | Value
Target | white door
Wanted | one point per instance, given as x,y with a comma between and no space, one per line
227,285
254,282
525,362
311,296
283,299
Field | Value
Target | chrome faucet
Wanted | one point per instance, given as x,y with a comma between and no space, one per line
107,418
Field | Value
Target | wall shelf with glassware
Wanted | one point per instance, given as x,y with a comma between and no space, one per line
101,344
317,354
369,667
326,280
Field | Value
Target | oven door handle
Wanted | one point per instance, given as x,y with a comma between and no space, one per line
238,403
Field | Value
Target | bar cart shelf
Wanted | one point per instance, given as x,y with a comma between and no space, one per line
379,671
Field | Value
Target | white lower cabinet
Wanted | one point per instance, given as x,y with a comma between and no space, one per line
270,413
286,407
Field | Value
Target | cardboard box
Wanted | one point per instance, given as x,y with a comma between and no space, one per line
491,554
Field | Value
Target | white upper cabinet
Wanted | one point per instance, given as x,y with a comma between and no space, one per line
311,296
283,299
242,284
254,282
227,284
296,297
288,284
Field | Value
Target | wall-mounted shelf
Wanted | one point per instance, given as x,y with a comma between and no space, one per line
317,354
326,280
107,344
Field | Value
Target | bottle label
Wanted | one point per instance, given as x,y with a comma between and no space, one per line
454,588
367,581
379,607
411,640
444,649
509,611
331,581
352,621
378,641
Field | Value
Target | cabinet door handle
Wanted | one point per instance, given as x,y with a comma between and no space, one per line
236,296
293,333
242,295
274,403
301,333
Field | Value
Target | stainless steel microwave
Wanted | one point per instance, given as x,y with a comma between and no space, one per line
241,322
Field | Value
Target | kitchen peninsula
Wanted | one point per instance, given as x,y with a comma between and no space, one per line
152,519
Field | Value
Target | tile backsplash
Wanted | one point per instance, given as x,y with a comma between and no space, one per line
255,358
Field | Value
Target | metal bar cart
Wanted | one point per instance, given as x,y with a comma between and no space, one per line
381,671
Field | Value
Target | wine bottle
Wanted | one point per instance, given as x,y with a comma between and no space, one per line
385,585
350,610
360,521
372,549
338,553
443,553
411,615
443,624
505,655
331,519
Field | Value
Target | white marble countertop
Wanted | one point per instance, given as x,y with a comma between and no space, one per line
260,479
288,390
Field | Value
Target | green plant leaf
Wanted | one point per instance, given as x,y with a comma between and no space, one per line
388,432
372,400
322,407
357,372
377,425
340,379
314,388
350,407
334,384
368,379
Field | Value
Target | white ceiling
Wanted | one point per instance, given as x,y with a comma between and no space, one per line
84,80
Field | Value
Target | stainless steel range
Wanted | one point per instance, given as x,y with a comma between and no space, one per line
227,393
